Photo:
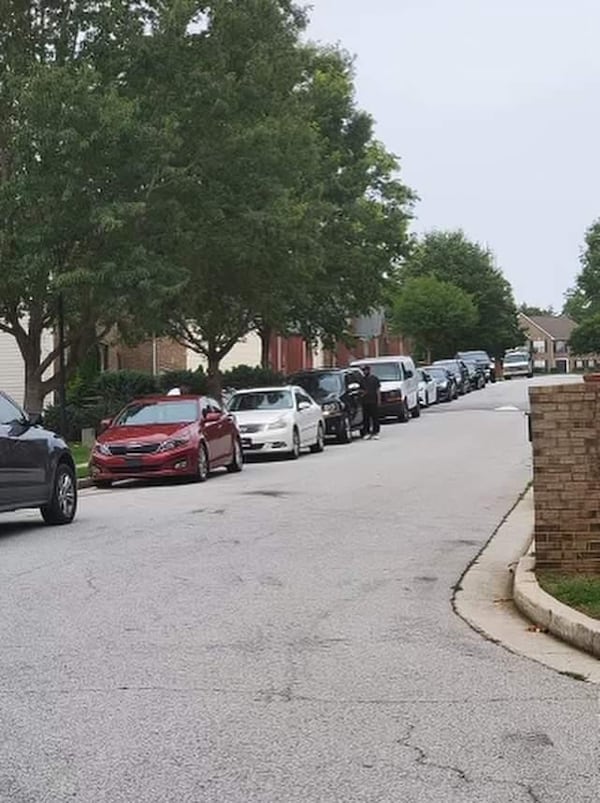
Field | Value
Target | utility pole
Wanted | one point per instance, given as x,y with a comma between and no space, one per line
62,379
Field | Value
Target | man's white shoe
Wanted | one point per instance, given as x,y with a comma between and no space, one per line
375,437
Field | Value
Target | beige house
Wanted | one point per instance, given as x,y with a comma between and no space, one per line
547,337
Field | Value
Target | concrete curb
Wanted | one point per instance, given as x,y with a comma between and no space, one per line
84,483
484,599
551,615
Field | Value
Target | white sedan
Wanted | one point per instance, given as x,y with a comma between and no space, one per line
427,388
275,420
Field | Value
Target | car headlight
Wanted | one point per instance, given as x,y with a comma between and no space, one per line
331,407
173,443
281,423
102,448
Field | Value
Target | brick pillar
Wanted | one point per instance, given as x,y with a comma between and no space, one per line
566,476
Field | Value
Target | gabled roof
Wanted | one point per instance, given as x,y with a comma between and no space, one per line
557,327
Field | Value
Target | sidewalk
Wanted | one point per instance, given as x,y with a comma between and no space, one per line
486,600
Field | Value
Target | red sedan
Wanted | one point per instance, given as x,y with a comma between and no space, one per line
166,436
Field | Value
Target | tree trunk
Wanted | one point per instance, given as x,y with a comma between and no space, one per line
214,374
265,333
35,392
428,356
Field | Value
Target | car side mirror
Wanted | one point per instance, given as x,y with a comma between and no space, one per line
353,387
212,417
33,420
304,405
409,374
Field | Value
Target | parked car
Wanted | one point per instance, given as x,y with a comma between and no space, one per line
339,392
461,374
427,388
37,469
517,363
483,359
447,389
399,385
278,420
166,436
476,375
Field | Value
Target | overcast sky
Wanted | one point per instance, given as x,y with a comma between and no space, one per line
494,108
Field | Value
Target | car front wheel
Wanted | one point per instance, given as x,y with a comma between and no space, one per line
203,467
237,459
295,453
62,506
319,444
345,430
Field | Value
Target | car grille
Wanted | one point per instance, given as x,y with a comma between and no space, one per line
250,428
140,448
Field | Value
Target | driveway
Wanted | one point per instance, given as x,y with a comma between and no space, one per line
286,635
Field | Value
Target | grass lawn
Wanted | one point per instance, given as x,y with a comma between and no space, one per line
81,455
581,592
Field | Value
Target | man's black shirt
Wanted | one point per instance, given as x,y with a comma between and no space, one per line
371,385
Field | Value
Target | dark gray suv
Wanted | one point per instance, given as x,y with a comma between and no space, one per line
36,467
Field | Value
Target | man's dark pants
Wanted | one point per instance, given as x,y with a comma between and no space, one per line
371,418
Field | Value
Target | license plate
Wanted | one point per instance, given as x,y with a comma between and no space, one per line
246,443
133,462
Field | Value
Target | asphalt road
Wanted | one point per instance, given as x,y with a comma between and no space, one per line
286,635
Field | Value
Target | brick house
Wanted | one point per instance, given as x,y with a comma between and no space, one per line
547,337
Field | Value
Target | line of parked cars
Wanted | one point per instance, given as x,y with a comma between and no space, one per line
189,436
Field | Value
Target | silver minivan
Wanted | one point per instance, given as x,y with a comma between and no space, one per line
399,385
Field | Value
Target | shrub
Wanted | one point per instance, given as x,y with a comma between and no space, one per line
248,376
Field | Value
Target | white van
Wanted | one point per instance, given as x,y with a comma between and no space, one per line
517,362
399,385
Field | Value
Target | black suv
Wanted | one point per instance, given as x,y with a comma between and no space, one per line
339,392
483,359
36,467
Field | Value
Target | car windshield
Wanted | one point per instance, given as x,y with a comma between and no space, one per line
517,357
321,385
262,400
437,373
9,412
472,356
385,371
158,412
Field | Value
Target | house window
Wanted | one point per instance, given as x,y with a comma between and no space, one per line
540,365
578,363
539,346
560,347
591,363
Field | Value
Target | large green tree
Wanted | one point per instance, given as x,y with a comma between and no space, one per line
451,257
75,158
438,315
582,302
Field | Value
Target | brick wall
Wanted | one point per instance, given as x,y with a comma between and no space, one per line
565,431
170,356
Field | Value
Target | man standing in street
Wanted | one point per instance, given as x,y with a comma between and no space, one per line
371,403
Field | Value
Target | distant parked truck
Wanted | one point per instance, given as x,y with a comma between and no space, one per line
517,362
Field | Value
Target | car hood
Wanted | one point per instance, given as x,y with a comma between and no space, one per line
148,433
260,416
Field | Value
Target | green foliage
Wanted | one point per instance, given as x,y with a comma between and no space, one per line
246,376
585,338
528,310
438,315
451,257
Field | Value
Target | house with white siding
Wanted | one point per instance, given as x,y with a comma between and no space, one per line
12,367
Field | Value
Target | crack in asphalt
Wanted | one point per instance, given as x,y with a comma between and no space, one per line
423,759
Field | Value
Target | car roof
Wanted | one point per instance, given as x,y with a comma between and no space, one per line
266,389
309,371
158,397
389,358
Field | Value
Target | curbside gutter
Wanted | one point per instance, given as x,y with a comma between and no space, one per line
485,599
551,615
85,482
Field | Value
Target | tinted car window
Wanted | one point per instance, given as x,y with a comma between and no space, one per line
9,412
322,384
171,412
386,371
261,400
